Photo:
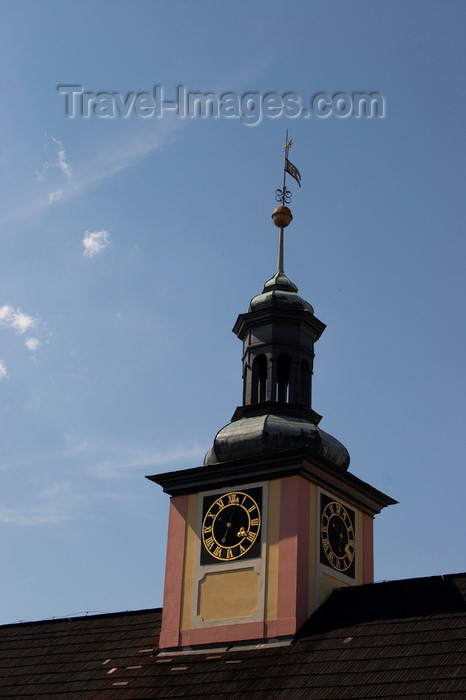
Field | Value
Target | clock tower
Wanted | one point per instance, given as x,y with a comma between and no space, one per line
273,521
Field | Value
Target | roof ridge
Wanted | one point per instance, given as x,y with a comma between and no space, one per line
74,617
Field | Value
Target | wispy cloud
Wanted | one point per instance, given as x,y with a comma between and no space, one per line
102,165
97,476
94,242
112,160
60,162
32,516
15,318
109,469
3,372
55,503
56,489
55,196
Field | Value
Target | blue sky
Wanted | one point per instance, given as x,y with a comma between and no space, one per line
129,245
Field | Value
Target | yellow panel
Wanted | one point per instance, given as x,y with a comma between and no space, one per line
189,557
273,532
327,584
228,594
360,547
312,548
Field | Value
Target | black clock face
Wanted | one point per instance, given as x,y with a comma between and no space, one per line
231,525
337,538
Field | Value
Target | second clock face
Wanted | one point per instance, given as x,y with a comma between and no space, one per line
231,526
337,539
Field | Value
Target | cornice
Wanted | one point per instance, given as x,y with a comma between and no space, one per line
303,462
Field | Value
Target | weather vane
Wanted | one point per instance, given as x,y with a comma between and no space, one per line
282,216
283,195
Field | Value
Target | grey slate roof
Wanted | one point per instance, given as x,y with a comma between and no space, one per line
398,639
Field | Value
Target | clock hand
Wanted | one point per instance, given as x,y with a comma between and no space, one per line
339,535
228,525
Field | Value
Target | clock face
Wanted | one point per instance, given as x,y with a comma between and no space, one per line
231,526
337,539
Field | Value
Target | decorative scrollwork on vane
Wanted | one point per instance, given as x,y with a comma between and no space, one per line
283,195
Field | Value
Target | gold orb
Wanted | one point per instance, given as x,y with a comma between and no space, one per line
282,216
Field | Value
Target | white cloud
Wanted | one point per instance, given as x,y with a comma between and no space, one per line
95,242
14,318
110,469
32,344
55,196
20,322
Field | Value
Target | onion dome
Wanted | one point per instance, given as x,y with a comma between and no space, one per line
265,429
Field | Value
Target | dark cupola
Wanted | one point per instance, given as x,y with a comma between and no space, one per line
278,333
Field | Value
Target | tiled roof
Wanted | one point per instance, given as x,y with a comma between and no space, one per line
399,639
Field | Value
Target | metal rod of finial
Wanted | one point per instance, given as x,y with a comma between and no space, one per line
280,258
